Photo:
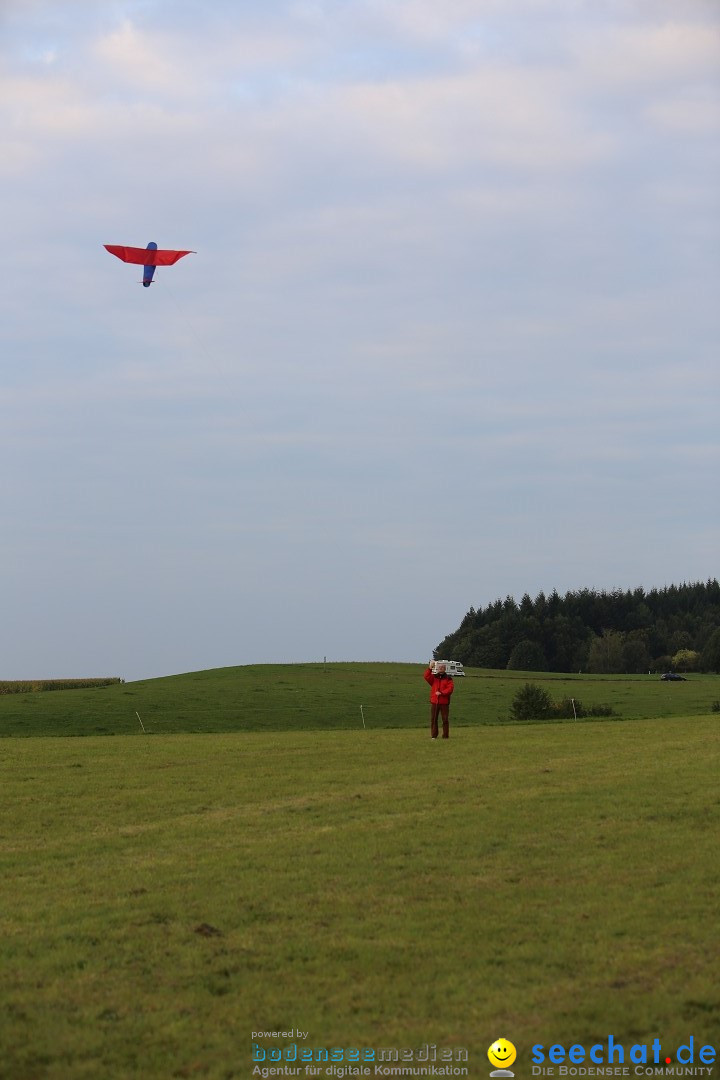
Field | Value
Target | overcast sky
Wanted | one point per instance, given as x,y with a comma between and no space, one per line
451,331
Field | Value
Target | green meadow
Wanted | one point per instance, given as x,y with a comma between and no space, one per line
334,696
162,896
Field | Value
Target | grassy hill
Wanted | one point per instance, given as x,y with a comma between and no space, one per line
305,697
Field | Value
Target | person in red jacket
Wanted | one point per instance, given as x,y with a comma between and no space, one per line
441,687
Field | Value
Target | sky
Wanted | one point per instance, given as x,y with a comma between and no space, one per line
451,332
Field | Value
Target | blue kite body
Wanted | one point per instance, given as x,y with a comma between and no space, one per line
149,269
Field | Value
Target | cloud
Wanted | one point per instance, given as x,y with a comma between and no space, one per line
650,55
17,157
138,60
144,83
694,113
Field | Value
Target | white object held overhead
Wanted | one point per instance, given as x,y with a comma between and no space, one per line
452,667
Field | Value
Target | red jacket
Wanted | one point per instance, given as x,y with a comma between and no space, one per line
441,687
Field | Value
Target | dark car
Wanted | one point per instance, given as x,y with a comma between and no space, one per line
670,676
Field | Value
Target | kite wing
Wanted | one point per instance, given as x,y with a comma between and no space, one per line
146,256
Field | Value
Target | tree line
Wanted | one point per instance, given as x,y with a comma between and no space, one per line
618,632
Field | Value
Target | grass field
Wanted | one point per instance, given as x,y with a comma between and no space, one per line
314,696
161,898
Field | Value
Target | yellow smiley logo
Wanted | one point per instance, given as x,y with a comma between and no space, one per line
502,1053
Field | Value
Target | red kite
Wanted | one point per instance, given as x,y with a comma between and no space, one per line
148,257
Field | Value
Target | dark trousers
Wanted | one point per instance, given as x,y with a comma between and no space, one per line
444,711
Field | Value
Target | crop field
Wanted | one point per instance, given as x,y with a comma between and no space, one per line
164,896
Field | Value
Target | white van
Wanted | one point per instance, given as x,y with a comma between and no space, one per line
452,667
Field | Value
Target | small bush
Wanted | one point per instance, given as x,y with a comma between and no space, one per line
531,703
534,703
715,707
564,710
